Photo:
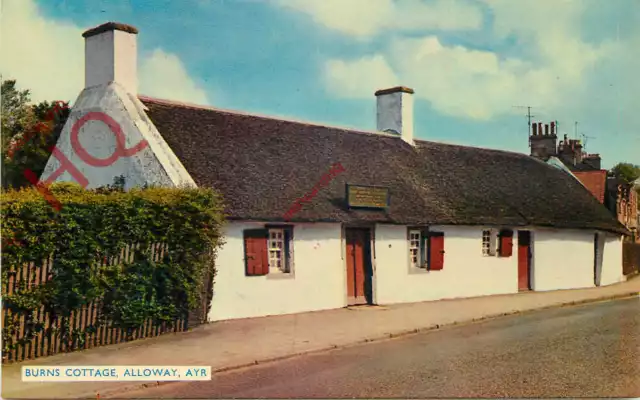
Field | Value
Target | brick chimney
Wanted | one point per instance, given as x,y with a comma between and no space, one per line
570,151
543,144
395,112
593,160
110,55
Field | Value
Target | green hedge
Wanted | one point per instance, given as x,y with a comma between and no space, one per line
94,224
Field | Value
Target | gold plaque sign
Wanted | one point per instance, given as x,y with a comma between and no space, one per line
367,196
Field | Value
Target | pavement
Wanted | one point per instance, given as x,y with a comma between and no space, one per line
584,351
234,344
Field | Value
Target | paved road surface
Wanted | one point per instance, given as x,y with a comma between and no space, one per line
583,351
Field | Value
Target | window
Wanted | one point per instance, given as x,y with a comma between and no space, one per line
426,249
268,251
277,256
489,237
415,249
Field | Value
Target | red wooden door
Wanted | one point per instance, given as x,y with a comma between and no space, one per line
524,259
356,245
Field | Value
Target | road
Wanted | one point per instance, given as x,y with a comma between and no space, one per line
582,351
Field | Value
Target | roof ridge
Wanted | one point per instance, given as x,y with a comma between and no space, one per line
315,124
269,117
512,152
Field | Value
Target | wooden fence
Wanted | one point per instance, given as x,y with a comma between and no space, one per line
38,334
630,258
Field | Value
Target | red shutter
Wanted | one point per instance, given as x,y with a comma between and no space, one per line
506,243
436,251
256,256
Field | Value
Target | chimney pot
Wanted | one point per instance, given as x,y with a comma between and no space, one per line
546,129
553,128
111,56
395,111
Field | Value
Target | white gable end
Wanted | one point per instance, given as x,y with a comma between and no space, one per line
90,141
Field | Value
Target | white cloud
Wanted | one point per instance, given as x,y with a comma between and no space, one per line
366,18
354,79
551,71
47,57
163,75
456,80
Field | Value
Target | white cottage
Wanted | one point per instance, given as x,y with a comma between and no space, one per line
323,217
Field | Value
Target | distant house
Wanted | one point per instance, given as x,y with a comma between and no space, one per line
404,220
619,197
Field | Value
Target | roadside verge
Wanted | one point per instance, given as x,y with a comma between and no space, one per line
236,344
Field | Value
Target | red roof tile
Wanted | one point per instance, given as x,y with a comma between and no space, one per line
595,181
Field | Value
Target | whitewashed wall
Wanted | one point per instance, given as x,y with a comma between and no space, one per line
563,259
612,260
466,271
318,281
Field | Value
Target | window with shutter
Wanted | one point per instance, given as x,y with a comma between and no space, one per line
506,243
256,256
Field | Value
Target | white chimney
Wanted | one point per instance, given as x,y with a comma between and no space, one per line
395,112
110,55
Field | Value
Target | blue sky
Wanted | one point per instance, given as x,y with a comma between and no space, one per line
470,61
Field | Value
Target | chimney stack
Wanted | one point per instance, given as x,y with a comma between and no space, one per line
594,160
111,56
395,112
542,144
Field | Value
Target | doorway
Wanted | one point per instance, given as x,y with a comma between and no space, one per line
598,251
524,260
359,267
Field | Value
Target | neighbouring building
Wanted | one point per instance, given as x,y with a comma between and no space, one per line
402,220
619,197
622,199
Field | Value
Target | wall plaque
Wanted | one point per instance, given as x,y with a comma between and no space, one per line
367,196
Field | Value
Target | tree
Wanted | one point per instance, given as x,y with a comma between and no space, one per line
626,172
29,132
